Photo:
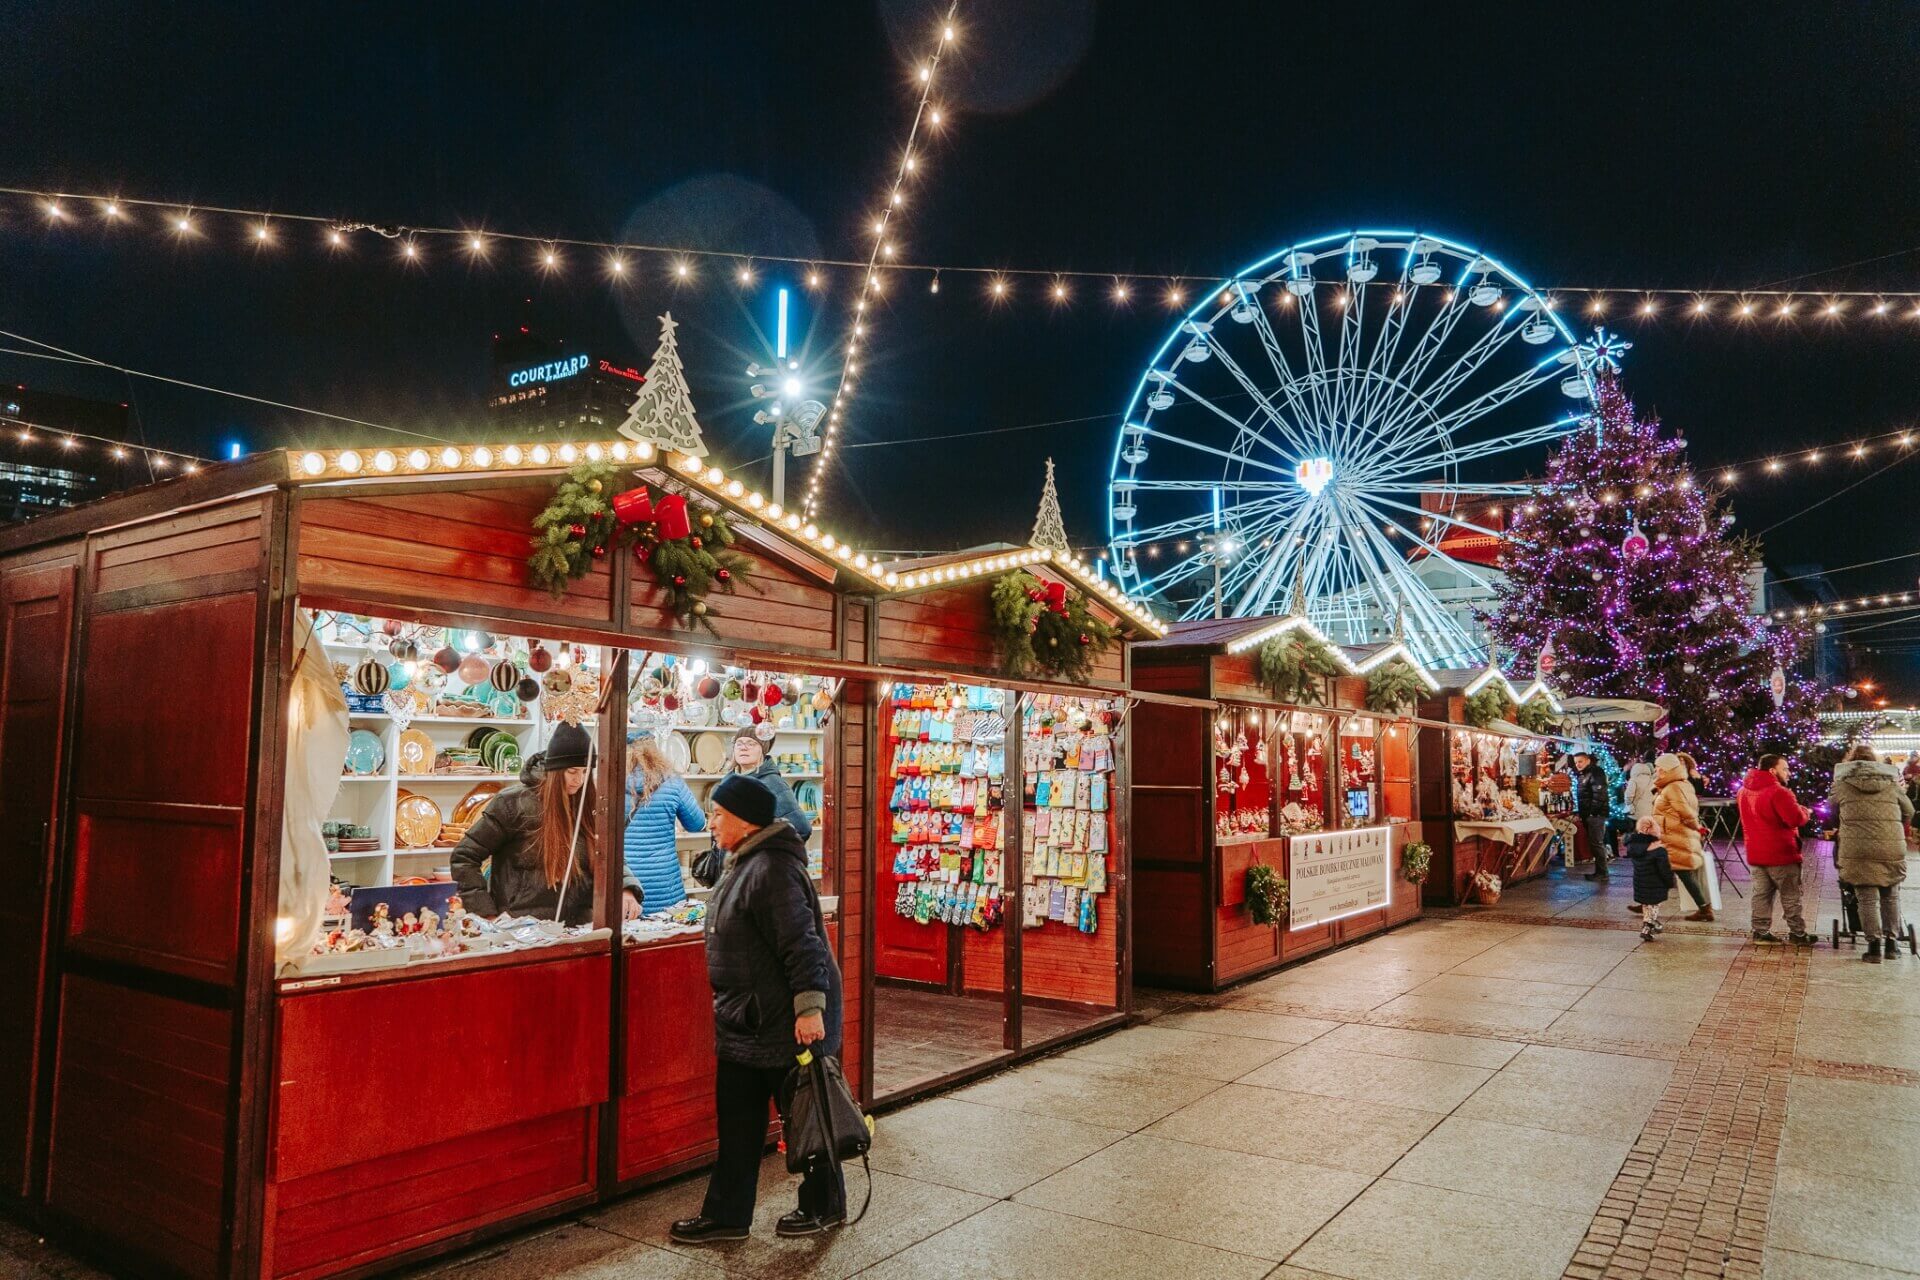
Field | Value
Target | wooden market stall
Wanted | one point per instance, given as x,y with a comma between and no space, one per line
1228,776
1492,803
187,1102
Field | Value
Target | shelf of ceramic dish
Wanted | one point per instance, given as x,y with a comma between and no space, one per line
366,777
723,728
383,717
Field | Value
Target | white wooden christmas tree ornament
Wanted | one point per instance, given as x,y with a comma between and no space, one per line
662,414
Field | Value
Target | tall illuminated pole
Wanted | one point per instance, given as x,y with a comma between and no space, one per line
795,422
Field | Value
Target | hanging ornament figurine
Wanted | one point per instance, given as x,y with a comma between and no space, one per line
1635,544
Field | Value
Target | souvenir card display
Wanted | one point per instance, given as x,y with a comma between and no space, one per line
693,710
1359,794
1486,769
1299,766
1242,785
441,719
946,779
1066,830
389,926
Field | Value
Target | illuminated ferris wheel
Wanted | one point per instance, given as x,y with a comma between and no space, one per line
1318,427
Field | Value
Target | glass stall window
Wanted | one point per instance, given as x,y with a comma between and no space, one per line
1299,765
1358,793
1243,782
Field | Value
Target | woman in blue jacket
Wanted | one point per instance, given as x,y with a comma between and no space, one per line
657,799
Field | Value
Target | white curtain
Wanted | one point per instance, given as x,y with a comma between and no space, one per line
316,757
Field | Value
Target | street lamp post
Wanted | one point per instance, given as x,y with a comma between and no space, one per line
795,420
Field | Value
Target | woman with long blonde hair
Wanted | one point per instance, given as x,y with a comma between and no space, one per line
657,800
533,850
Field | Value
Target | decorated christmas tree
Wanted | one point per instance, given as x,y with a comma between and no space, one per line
1623,568
662,414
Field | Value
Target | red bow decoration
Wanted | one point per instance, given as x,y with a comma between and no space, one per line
1057,597
634,506
670,514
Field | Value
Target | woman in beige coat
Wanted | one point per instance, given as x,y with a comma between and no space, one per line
1676,811
1872,811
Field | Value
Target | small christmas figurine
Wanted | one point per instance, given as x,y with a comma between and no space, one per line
409,924
382,921
429,921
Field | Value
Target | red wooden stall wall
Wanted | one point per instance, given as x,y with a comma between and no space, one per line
143,1105
410,1109
789,607
1172,841
461,551
846,819
36,629
950,630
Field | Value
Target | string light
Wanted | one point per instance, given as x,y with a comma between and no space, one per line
71,442
1699,303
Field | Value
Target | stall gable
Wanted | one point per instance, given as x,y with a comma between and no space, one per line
462,549
784,604
951,628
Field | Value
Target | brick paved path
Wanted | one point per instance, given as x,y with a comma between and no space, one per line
1526,1092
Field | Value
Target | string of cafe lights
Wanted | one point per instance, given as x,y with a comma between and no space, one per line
417,246
82,444
884,243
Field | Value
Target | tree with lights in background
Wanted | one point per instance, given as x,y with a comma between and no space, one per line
1623,571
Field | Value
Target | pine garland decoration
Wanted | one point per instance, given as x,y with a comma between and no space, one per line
575,528
1294,667
578,526
1537,716
1031,637
1486,706
1266,895
688,569
1393,686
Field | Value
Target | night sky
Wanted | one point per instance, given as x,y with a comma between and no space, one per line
1603,145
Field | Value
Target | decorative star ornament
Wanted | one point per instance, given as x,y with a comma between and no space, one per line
1603,350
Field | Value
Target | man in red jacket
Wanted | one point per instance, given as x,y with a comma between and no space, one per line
1771,819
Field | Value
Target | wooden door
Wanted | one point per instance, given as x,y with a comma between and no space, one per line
36,618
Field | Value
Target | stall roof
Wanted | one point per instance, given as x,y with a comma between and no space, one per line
1471,680
1237,635
321,465
1586,711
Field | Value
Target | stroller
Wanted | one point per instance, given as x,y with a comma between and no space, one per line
1848,925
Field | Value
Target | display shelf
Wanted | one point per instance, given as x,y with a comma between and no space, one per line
469,778
728,729
384,718
715,777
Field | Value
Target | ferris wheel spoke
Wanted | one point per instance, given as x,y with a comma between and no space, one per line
1477,354
1492,400
1491,488
1239,425
1317,374
1352,319
1399,468
1419,538
1218,453
1440,517
1199,523
1289,382
1427,625
1257,486
1387,345
1294,437
1174,574
1433,340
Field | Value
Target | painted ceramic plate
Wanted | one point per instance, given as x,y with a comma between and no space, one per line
416,822
697,712
471,804
365,752
416,752
807,795
675,746
710,752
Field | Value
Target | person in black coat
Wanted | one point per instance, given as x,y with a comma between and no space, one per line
514,859
776,989
1590,782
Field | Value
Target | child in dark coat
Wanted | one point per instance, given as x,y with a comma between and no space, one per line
1652,875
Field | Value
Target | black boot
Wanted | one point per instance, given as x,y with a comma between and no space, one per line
703,1231
1873,951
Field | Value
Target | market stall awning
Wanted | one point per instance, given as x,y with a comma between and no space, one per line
1591,711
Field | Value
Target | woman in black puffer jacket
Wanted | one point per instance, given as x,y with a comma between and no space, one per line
525,832
776,990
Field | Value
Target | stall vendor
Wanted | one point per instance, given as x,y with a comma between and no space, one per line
750,760
532,831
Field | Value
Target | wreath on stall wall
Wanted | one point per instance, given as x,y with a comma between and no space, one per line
1266,895
1293,668
1042,626
689,550
1486,706
1392,686
1537,716
1416,861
